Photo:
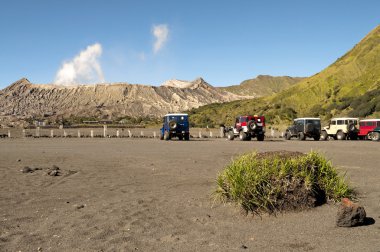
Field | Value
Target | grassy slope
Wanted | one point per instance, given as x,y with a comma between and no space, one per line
263,85
343,88
352,75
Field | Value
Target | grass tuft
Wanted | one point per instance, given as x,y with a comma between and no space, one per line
279,181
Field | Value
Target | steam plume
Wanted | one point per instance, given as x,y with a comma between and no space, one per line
83,68
160,32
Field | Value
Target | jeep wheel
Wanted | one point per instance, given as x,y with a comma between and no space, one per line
248,138
187,136
251,125
288,135
230,135
260,137
242,136
172,125
351,127
180,137
301,136
166,136
317,137
375,136
340,135
324,136
368,136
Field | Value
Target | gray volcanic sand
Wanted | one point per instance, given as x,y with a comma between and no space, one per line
151,195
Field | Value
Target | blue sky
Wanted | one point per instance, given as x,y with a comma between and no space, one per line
224,41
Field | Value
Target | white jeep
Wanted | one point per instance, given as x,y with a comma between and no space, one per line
341,129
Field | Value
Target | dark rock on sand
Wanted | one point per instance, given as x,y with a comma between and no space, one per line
79,206
350,214
27,169
54,171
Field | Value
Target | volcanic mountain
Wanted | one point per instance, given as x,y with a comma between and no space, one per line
24,100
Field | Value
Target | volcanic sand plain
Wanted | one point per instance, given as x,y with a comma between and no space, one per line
150,195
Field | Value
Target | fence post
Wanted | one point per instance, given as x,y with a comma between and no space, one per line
210,134
64,133
129,133
200,134
222,128
105,131
154,134
117,133
9,134
78,133
38,132
51,133
142,134
92,133
23,133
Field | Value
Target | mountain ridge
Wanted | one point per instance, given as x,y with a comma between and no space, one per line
22,100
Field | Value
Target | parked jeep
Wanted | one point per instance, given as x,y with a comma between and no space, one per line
375,134
341,128
304,127
366,127
247,127
175,125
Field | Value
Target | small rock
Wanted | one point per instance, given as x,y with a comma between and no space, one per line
79,206
53,173
55,167
350,214
243,246
39,249
27,169
18,160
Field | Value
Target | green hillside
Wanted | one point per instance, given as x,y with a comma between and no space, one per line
263,85
348,87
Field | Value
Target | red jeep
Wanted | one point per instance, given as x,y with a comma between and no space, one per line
366,127
247,127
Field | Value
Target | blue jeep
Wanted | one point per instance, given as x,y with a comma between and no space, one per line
175,125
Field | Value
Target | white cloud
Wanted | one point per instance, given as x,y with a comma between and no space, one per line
160,32
83,68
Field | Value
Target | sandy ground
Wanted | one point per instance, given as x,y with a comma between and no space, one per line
150,195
